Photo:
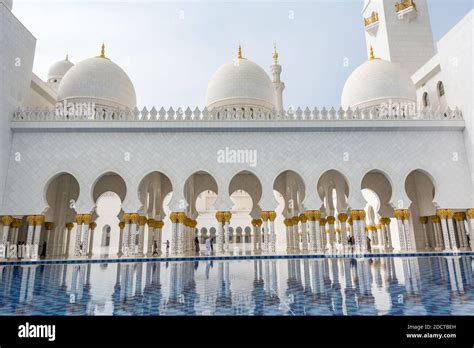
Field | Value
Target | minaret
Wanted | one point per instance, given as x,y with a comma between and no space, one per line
277,83
399,31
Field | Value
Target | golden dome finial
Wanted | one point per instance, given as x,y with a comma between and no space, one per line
102,51
239,52
275,53
372,55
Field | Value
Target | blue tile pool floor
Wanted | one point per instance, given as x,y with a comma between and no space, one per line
434,285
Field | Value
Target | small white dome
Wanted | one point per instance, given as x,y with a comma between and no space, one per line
98,80
59,69
240,83
377,81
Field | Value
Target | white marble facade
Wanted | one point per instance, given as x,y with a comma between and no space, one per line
416,160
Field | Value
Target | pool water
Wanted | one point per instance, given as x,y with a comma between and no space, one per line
338,286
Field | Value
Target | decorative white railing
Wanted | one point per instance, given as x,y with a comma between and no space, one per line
234,114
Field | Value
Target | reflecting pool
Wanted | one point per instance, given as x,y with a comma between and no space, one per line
376,286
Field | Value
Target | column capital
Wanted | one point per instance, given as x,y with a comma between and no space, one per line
31,220
227,216
331,220
69,226
79,219
142,220
322,221
134,218
39,220
174,217
435,219
16,223
182,217
92,226
442,213
406,214
272,215
354,215
459,216
220,216
470,213
265,216
361,214
7,220
49,226
302,218
121,225
398,213
423,220
159,224
126,218
450,213
86,219
342,217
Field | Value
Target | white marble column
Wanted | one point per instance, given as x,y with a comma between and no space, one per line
227,216
289,237
401,229
266,244
443,214
86,221
407,226
304,232
134,223
77,244
92,227
181,232
424,222
342,217
150,237
159,234
470,220
121,238
174,233
296,234
452,233
273,237
322,234
141,235
220,231
31,230
69,226
255,236
7,223
459,220
331,233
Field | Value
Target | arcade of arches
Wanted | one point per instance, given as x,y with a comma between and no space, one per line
59,231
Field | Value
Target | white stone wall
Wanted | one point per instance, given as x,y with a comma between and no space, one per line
455,51
89,154
17,47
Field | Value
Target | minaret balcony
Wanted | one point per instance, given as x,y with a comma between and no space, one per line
371,23
406,10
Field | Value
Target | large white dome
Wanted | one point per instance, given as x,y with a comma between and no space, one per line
59,69
98,80
375,82
240,83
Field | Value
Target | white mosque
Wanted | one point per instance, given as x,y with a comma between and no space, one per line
88,171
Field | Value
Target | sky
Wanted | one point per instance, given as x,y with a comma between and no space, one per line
170,49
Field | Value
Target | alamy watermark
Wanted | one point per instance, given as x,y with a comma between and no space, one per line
237,156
